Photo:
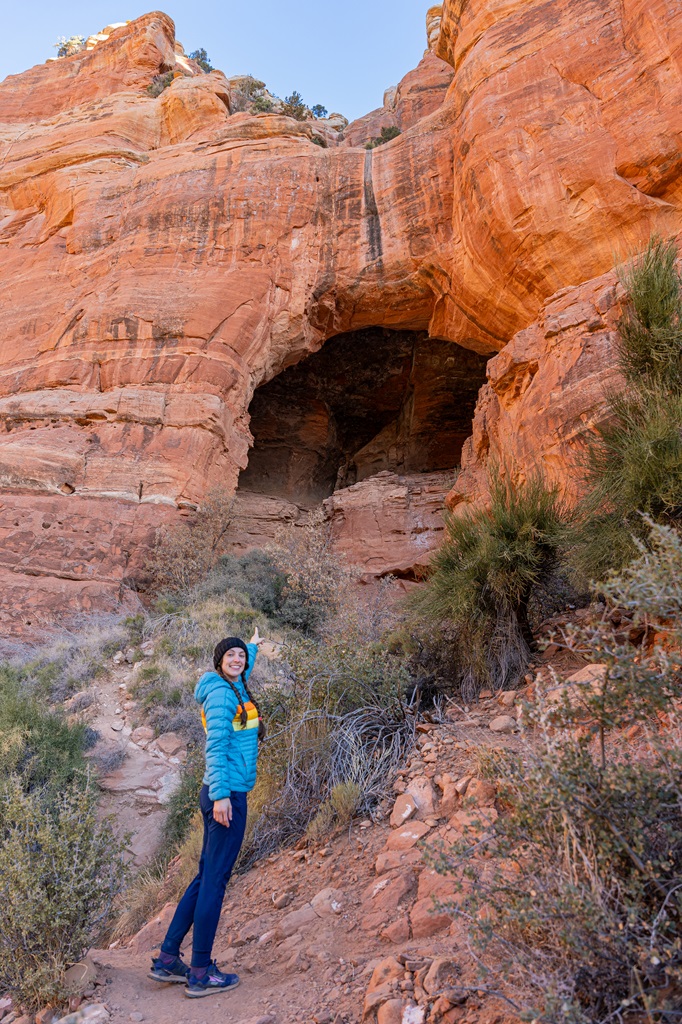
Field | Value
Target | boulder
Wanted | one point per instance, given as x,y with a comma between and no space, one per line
504,724
170,744
390,1012
480,793
407,836
151,935
403,809
426,920
422,792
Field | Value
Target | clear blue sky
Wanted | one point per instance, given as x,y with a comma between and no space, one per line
341,53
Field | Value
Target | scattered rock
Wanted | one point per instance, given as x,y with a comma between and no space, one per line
136,1016
80,976
170,744
504,724
152,934
403,809
422,792
480,793
94,1013
142,736
46,1015
407,836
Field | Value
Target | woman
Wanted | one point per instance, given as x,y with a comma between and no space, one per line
233,727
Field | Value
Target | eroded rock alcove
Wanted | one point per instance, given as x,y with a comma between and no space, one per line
376,418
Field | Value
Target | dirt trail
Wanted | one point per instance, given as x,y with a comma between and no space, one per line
305,929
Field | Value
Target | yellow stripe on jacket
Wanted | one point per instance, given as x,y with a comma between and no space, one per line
251,718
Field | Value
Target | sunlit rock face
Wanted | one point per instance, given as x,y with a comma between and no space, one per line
163,257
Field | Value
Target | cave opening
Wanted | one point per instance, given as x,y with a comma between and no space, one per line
369,401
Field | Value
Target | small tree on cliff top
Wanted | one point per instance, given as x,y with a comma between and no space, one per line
66,47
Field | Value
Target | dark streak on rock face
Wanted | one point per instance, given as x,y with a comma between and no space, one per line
372,212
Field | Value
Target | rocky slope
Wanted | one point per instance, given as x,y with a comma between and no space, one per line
162,257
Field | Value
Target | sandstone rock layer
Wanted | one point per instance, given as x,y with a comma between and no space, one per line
163,257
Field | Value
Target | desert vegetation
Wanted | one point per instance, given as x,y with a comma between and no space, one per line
578,911
633,462
386,135
574,911
61,867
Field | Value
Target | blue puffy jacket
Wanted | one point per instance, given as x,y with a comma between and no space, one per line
231,749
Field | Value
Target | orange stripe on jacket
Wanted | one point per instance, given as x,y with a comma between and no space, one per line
251,718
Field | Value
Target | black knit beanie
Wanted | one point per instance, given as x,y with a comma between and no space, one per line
226,645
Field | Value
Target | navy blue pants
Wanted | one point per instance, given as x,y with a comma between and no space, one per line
202,901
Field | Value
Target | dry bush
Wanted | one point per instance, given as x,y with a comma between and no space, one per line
60,870
579,909
476,600
316,579
633,460
186,552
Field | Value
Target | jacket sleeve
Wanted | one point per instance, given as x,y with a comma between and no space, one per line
220,708
253,653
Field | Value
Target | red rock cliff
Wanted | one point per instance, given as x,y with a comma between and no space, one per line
161,258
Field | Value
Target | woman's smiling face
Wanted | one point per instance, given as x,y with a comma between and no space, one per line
233,663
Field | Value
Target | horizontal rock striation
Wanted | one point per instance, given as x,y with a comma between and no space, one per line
163,257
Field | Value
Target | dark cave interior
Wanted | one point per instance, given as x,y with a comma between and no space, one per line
371,400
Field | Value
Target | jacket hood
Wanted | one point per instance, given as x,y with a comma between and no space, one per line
210,681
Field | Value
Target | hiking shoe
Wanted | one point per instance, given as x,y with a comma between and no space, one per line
175,972
212,982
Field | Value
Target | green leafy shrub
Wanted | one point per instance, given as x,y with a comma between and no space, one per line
387,134
262,105
633,462
580,909
319,111
184,803
159,83
201,58
298,582
35,742
60,869
482,580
